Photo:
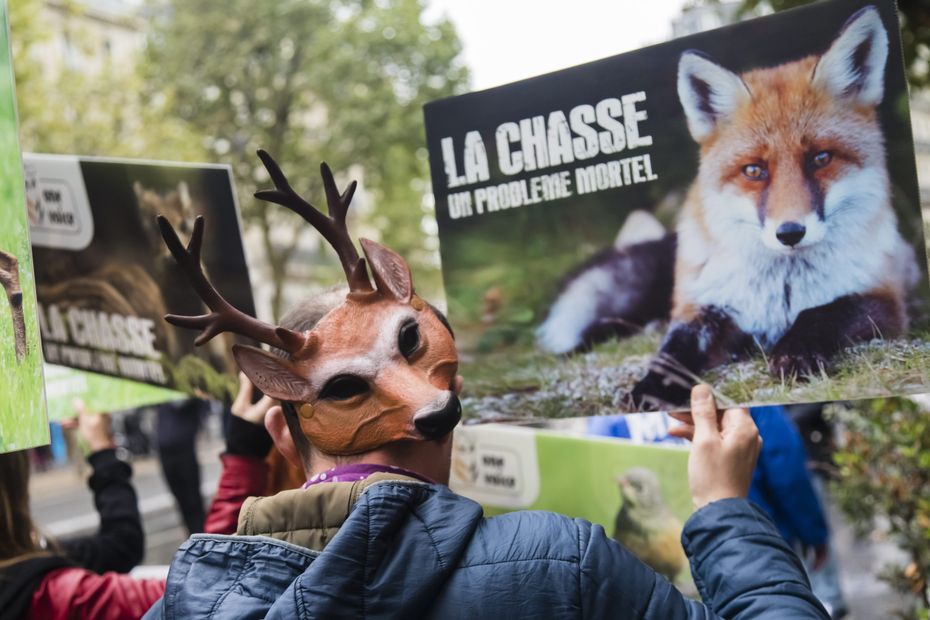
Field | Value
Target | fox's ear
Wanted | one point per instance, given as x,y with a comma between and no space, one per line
854,66
708,93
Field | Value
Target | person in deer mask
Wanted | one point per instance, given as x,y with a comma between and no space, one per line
368,385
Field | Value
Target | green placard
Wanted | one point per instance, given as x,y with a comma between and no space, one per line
606,481
99,392
23,422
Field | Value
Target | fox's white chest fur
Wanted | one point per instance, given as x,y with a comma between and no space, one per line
765,290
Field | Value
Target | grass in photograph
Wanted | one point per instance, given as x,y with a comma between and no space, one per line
23,421
521,384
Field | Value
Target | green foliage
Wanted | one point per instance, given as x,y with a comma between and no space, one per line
71,111
915,30
883,474
308,81
193,375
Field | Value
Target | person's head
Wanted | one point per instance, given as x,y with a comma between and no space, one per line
374,372
430,458
18,535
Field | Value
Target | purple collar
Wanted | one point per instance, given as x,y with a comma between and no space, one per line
360,471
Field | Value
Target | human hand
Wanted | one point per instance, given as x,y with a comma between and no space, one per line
724,451
243,408
95,428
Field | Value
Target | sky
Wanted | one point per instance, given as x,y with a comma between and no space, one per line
509,40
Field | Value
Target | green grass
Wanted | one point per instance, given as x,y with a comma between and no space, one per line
521,383
23,421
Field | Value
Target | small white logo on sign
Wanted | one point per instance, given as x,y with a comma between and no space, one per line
56,199
496,466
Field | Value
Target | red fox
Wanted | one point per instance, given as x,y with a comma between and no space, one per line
787,240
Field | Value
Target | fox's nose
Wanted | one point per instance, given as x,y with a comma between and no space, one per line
790,233
438,423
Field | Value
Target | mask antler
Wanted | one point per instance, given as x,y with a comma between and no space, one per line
224,317
332,227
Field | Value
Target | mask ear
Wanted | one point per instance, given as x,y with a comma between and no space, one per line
274,376
854,66
391,272
708,93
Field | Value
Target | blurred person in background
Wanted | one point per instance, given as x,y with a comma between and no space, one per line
783,486
818,436
80,577
176,430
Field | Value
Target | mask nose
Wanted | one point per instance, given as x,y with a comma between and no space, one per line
790,233
437,423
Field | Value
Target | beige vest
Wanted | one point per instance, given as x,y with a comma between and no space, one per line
307,517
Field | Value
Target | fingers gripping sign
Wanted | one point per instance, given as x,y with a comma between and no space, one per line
725,446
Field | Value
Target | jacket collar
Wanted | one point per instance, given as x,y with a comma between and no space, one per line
308,517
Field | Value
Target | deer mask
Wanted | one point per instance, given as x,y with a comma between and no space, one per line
377,369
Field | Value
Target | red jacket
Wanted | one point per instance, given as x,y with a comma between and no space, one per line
77,593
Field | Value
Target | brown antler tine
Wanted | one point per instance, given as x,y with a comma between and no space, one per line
224,317
337,204
332,227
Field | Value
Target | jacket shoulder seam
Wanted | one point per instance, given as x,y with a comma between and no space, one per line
219,601
517,561
432,540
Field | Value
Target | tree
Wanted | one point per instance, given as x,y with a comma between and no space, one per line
310,81
100,113
915,30
883,473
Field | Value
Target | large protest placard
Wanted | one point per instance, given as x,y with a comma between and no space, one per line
105,278
636,488
23,421
738,207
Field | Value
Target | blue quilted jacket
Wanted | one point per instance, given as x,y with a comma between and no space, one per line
413,550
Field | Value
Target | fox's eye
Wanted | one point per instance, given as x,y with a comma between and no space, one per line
343,387
754,172
822,158
408,340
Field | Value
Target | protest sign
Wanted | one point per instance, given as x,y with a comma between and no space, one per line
23,421
105,278
636,488
738,207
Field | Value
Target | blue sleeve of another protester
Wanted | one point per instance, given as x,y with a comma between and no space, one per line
783,485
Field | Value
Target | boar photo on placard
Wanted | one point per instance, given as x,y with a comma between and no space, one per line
782,262
105,280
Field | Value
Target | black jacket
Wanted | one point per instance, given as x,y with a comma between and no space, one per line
119,544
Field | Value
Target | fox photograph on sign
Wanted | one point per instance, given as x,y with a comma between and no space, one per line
23,416
738,207
106,279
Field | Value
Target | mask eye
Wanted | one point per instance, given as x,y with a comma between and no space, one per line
343,387
822,158
408,339
755,172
